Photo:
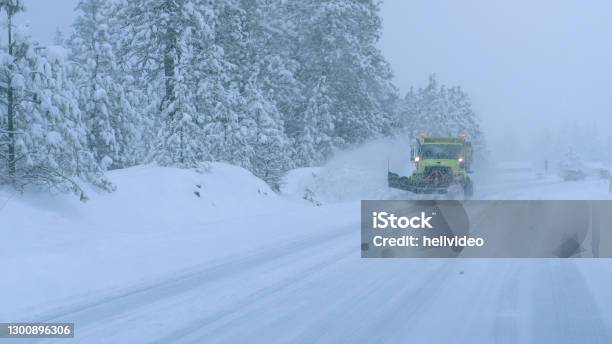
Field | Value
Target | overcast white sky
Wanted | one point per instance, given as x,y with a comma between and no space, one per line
526,64
44,16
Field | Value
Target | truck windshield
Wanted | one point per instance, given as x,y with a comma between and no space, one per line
440,151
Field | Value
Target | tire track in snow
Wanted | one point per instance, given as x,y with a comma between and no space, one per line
506,329
410,304
321,319
197,329
143,295
452,308
565,309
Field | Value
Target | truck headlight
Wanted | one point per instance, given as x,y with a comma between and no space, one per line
417,158
460,159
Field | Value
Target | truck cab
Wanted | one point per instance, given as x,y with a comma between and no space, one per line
441,163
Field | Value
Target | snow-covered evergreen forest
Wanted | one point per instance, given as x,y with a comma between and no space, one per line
268,85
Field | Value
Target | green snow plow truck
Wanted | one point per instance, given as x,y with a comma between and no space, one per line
442,166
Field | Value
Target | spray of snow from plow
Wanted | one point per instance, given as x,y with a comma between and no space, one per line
354,174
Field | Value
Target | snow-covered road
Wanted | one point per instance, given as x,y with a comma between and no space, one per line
292,273
315,288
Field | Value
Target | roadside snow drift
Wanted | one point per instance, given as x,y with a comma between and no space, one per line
57,249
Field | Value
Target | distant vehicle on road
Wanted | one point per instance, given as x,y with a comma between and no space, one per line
572,174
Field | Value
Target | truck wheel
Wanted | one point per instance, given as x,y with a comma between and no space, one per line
468,189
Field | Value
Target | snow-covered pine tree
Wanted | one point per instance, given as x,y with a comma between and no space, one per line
270,156
406,114
12,80
270,46
59,38
139,103
244,36
440,111
171,45
465,119
430,109
315,142
337,42
67,153
44,134
111,120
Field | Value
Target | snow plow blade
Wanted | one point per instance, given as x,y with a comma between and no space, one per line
405,183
